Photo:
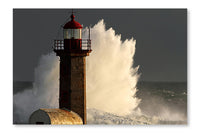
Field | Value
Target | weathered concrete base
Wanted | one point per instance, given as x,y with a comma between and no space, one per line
55,117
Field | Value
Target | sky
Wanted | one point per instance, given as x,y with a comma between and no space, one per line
161,38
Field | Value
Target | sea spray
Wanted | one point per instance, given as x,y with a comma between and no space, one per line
111,80
44,93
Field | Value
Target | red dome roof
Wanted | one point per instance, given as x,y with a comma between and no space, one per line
72,24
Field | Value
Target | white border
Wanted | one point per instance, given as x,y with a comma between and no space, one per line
7,53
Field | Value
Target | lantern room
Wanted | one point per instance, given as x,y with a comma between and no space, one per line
72,39
72,29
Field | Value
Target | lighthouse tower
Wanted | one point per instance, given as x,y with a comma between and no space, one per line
72,51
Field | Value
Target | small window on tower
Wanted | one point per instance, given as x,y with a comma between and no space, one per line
38,122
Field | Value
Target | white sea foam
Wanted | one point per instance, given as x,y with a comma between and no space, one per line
44,93
111,79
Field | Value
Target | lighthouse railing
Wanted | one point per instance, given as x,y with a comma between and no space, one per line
86,44
58,45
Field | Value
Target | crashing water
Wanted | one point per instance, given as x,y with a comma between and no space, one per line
111,79
99,117
95,116
44,91
111,83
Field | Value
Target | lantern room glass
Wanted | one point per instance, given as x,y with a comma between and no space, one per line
72,33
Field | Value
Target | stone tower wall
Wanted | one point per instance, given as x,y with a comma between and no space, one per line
78,85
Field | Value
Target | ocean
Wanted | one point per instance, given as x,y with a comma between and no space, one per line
161,103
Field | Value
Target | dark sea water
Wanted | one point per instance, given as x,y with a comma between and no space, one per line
161,103
172,94
167,100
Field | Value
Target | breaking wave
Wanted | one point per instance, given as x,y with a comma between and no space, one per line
111,83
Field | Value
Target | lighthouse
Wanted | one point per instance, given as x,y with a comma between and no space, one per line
72,51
